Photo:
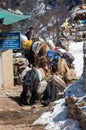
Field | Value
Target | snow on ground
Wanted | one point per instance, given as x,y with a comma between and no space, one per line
40,8
76,49
56,118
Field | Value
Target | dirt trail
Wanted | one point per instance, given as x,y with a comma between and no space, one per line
13,116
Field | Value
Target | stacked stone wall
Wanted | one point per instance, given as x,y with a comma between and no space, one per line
77,110
76,106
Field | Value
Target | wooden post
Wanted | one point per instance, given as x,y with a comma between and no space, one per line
7,62
1,71
84,68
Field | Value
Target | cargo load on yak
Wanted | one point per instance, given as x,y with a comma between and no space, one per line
45,91
26,44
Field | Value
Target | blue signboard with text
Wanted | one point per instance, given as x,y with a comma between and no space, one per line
10,40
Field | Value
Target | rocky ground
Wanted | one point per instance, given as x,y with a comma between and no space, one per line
14,116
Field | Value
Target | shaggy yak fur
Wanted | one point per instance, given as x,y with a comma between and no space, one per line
67,73
29,94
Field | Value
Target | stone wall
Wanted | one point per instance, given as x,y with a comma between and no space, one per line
76,106
77,110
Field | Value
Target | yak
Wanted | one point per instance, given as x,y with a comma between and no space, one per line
31,91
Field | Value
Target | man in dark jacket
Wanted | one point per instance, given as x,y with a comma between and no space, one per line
30,33
29,54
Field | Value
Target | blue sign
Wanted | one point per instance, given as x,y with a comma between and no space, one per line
10,40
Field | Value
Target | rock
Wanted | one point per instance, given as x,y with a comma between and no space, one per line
75,110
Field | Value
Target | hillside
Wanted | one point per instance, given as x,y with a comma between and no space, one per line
45,17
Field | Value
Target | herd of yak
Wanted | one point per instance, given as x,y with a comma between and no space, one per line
49,72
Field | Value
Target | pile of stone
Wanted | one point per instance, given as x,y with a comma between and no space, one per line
19,63
77,110
74,27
